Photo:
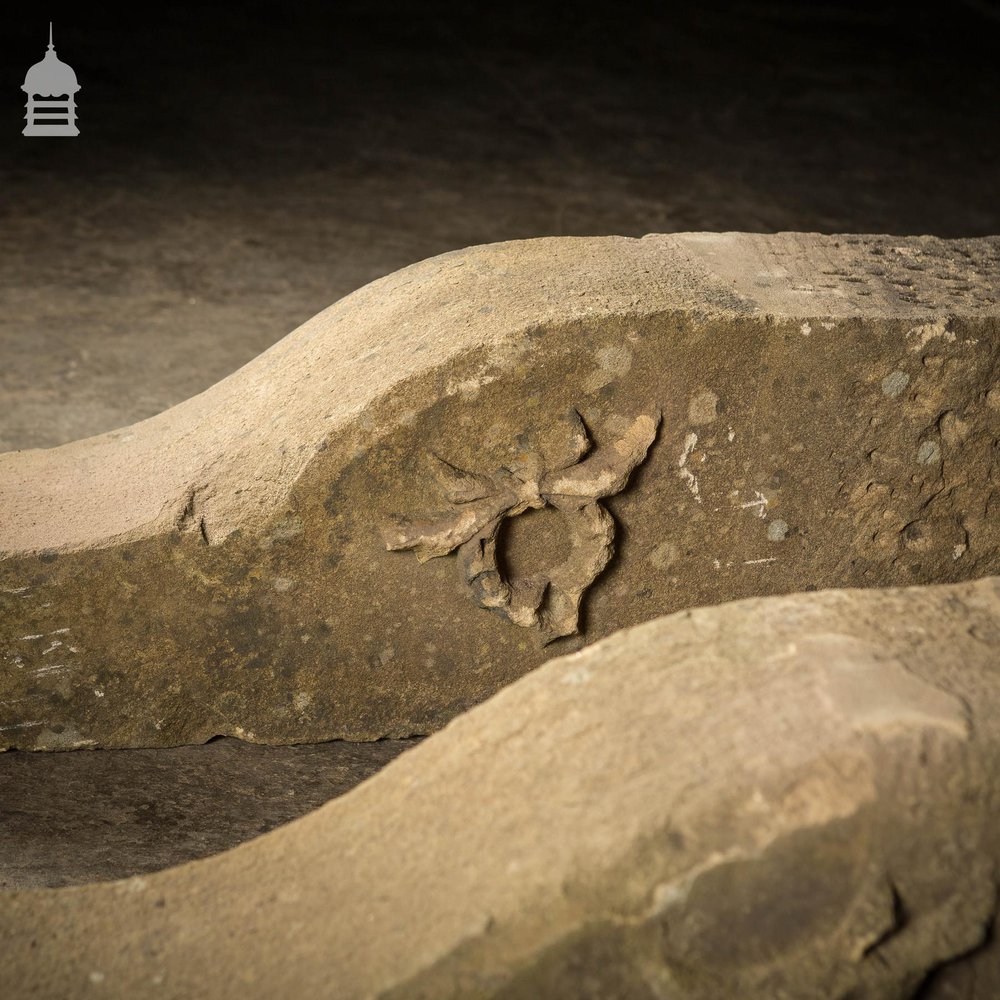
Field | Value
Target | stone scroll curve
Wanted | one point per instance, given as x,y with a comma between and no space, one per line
830,411
792,796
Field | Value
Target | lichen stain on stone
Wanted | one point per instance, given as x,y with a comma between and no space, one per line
570,478
612,363
929,452
777,531
894,384
703,408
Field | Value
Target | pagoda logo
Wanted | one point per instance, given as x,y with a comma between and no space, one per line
51,87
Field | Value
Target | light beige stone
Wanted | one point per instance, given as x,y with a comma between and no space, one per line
194,574
784,797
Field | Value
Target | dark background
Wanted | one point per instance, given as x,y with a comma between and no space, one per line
240,169
847,115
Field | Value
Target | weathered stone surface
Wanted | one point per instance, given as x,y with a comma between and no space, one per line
829,416
784,797
572,482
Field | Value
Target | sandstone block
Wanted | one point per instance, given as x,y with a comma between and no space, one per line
607,430
782,797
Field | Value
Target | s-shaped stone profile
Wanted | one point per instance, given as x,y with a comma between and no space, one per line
572,482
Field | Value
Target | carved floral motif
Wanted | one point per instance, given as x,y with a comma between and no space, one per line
572,481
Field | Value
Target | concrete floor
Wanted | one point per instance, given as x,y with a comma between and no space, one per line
72,818
235,175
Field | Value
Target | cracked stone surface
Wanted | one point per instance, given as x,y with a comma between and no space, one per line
830,411
787,796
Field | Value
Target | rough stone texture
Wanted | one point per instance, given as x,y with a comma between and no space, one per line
830,416
784,797
89,816
570,479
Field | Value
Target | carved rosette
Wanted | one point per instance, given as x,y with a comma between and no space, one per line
572,481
